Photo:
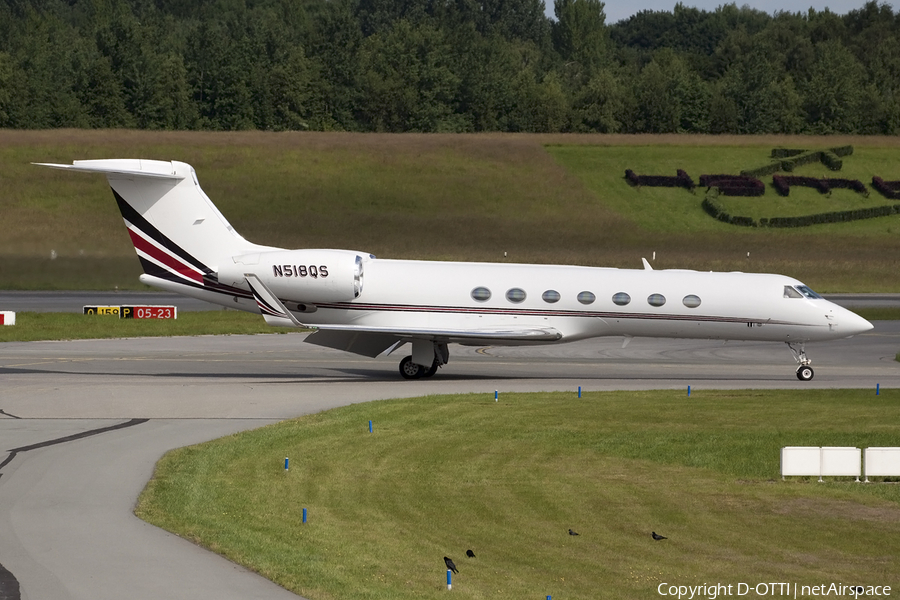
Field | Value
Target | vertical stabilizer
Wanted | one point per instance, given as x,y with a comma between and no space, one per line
178,233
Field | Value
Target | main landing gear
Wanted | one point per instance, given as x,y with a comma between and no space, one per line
410,370
804,371
414,367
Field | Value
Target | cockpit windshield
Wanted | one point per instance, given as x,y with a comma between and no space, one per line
808,292
800,291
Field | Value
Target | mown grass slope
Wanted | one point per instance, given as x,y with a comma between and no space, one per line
859,256
521,198
443,474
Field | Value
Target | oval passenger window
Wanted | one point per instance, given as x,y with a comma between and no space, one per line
691,301
656,300
550,296
482,294
621,299
515,295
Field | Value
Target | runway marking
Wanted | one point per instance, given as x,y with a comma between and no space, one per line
69,438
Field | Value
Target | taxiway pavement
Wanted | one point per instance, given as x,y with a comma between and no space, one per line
113,407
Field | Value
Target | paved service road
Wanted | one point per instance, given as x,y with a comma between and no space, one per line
66,523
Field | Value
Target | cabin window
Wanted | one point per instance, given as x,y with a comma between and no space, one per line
691,301
481,294
515,295
586,297
621,299
656,299
806,291
550,296
790,292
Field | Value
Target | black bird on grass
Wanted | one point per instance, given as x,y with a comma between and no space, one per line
573,532
658,537
449,562
470,554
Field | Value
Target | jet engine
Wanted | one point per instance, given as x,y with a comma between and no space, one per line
301,276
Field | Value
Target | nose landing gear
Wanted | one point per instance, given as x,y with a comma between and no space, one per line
804,371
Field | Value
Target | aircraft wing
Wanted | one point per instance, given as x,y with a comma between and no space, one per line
519,334
372,341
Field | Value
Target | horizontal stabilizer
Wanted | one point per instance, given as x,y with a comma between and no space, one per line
155,169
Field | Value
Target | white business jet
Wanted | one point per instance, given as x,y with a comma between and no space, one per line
370,306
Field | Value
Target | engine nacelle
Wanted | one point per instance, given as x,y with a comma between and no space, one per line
301,276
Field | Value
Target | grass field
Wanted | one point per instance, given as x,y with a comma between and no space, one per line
547,199
443,474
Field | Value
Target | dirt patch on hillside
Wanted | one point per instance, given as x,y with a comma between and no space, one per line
840,509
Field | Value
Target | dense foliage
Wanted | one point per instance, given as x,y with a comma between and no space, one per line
445,65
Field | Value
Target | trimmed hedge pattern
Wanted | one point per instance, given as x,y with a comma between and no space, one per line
717,211
734,185
842,216
785,152
831,160
682,179
783,184
712,207
788,160
843,150
748,184
804,159
888,189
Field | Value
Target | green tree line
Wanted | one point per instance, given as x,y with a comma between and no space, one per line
445,65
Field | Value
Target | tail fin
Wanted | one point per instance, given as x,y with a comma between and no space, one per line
179,235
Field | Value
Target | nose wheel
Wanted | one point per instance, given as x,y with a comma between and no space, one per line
804,371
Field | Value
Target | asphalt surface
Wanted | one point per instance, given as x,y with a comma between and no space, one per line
113,407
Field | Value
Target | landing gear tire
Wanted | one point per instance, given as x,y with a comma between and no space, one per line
432,370
410,370
804,371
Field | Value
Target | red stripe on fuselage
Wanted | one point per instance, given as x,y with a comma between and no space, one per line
162,257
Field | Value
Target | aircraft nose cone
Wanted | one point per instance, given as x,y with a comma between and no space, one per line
853,324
